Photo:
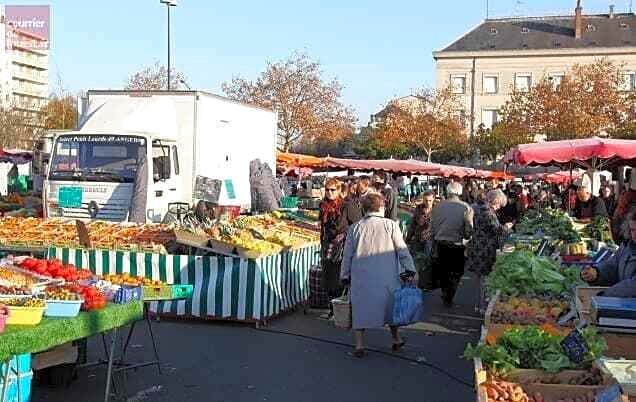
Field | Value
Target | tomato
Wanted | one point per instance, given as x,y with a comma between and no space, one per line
29,263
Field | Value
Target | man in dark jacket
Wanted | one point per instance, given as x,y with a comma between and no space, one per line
619,272
587,206
390,195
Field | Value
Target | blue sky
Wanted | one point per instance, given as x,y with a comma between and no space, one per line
378,49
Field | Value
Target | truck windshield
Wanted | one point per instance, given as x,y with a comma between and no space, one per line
113,158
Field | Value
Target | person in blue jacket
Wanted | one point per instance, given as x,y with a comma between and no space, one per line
619,272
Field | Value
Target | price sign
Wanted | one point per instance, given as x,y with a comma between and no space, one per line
70,197
229,187
575,346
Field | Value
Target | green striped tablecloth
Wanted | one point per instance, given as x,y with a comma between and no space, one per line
224,287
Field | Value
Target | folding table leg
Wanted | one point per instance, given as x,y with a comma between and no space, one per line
5,382
154,343
109,372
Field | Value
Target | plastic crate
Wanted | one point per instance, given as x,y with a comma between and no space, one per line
289,202
168,292
25,365
12,388
25,315
3,318
126,294
63,308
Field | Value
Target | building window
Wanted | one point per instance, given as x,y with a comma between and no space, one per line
556,79
627,81
491,84
523,82
460,114
489,118
458,84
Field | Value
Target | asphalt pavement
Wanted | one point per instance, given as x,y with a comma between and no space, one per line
298,357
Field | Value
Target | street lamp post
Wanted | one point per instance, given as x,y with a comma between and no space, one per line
169,3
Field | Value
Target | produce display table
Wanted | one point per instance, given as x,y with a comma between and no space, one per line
251,290
52,332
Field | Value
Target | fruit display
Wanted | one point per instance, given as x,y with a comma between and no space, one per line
591,377
533,348
126,279
55,269
504,391
93,298
59,232
13,277
497,390
14,291
263,234
527,311
523,273
60,293
25,302
578,248
549,222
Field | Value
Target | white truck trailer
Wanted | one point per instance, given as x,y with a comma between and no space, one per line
166,140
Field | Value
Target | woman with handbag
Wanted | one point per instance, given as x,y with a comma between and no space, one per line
375,261
333,229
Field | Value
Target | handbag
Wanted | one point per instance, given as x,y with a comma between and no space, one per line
342,310
335,249
408,305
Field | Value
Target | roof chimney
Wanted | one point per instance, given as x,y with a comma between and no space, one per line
578,20
611,11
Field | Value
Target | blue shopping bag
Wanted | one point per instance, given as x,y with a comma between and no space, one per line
408,305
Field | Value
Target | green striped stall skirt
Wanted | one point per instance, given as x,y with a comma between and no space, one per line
224,287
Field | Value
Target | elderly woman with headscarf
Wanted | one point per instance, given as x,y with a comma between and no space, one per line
375,259
488,234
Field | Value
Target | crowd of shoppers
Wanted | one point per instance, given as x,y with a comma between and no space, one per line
454,230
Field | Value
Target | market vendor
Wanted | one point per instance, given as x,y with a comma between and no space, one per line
619,272
587,206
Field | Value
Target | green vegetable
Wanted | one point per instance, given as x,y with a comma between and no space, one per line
599,229
523,273
549,222
533,348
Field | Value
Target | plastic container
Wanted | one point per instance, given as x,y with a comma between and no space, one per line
25,315
24,383
4,315
25,365
289,202
126,294
63,308
168,292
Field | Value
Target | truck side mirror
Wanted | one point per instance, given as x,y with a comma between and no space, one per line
161,168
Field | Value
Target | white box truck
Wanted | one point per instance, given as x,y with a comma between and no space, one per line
177,135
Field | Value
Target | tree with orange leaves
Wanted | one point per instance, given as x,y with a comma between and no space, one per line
428,124
309,108
588,101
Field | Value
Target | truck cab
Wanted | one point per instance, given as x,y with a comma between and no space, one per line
98,175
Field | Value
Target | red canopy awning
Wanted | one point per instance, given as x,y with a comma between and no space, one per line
288,162
589,152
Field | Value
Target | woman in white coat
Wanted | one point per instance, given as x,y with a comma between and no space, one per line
375,260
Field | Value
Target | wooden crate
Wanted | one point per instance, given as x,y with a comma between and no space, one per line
620,346
583,300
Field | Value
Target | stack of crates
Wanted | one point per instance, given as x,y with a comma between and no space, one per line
25,376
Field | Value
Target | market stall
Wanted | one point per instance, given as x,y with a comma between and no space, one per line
541,339
224,287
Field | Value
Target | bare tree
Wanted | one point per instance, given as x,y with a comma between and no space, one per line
155,78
